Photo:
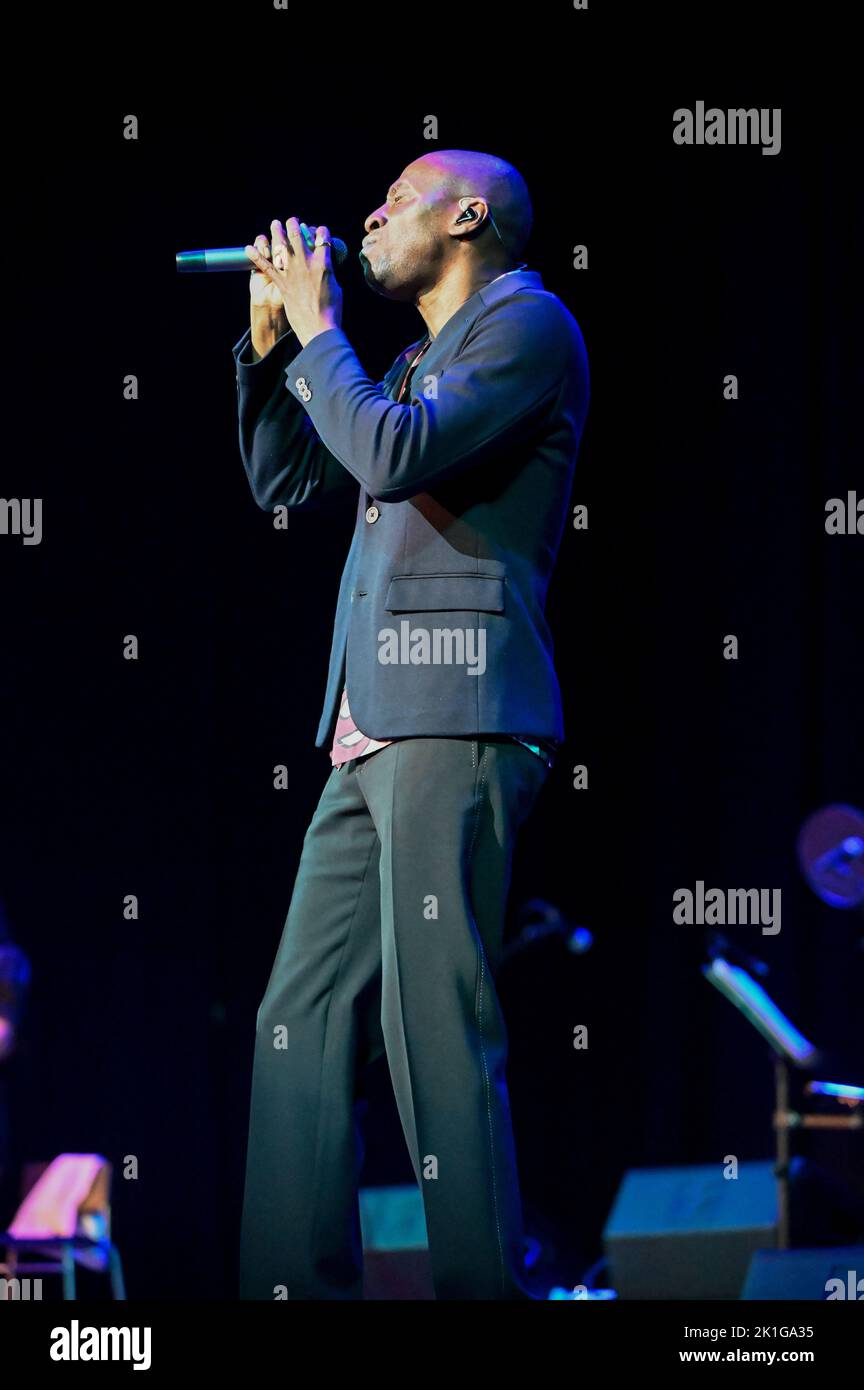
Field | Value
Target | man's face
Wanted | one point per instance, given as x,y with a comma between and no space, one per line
407,239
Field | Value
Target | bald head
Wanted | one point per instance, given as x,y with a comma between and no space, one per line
467,172
419,237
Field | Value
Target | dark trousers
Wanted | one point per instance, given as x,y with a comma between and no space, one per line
391,943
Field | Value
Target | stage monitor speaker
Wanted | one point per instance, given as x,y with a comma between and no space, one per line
689,1233
823,1274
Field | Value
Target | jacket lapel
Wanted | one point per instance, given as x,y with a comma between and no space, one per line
449,339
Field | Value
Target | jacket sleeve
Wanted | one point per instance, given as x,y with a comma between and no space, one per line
494,393
285,461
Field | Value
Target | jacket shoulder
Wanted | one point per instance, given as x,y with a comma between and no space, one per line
531,315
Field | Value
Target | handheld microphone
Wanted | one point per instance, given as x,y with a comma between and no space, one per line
235,258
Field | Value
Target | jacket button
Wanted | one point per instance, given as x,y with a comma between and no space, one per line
304,389
372,514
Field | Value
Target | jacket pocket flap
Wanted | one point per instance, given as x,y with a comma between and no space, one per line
468,593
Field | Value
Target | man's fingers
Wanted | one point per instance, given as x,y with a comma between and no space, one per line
260,261
308,236
322,235
260,249
277,236
293,233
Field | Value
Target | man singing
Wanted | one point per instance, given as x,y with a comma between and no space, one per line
442,714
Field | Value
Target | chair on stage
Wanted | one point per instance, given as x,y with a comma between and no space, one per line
65,1220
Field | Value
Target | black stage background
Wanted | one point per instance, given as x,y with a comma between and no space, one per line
154,777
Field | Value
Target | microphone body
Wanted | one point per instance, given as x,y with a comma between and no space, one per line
221,258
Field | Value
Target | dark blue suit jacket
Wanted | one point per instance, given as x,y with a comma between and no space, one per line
464,491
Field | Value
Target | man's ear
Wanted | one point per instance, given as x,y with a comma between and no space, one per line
469,217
